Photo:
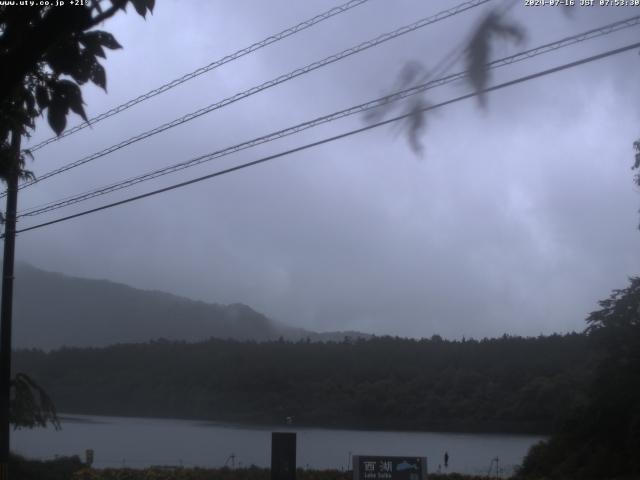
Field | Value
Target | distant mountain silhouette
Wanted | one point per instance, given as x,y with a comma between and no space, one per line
52,310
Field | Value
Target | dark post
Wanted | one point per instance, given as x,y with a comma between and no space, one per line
283,456
88,456
7,302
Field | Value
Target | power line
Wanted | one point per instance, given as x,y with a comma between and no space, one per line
271,83
449,60
207,68
594,33
337,137
542,49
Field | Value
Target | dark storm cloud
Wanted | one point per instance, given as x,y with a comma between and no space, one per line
517,219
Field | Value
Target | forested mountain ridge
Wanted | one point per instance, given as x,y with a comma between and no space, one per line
509,384
54,310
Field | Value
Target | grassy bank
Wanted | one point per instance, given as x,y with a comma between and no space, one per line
225,474
73,469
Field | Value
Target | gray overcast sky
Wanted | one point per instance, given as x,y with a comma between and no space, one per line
515,220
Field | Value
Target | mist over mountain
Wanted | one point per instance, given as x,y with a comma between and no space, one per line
54,310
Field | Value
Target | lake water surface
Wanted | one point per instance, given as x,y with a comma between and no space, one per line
142,442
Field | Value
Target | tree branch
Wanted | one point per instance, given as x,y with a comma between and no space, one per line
117,5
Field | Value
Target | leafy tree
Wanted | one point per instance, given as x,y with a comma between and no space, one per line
615,330
602,439
30,404
46,54
636,164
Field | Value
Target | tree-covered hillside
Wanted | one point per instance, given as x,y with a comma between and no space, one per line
509,384
54,310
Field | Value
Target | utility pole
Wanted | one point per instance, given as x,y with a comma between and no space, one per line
6,308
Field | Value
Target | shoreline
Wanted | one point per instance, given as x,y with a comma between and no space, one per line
78,417
74,468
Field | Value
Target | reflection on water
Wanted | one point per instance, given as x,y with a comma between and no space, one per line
141,442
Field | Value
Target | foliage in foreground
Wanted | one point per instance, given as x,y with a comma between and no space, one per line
60,469
71,468
252,473
30,406
602,441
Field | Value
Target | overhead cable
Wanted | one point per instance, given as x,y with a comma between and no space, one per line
516,81
207,68
271,83
396,96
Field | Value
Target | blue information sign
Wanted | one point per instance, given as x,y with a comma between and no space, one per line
368,467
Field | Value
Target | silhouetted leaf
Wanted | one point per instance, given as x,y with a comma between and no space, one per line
81,72
70,93
140,6
65,95
479,49
409,74
91,41
406,79
416,124
78,109
106,40
29,103
81,17
26,175
99,76
64,57
42,97
57,116
119,4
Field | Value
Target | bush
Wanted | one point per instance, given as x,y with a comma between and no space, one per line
62,468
